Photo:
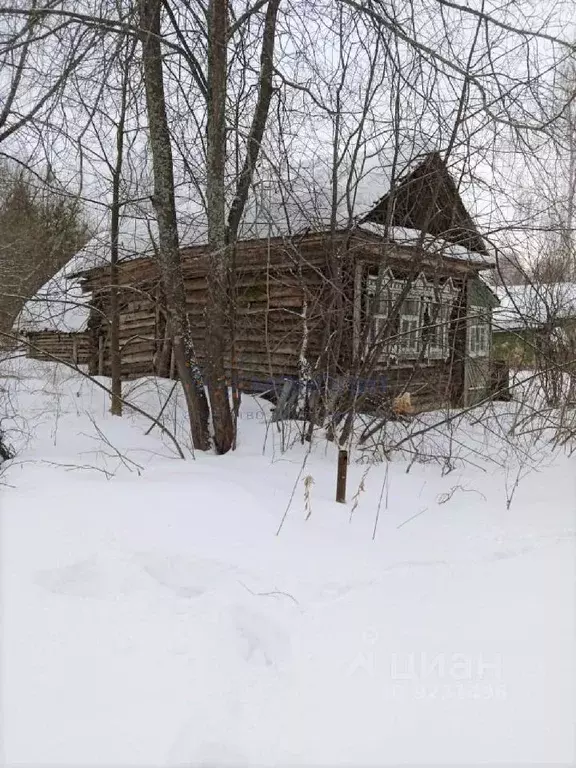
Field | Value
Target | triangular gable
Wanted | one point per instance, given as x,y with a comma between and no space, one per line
480,291
428,200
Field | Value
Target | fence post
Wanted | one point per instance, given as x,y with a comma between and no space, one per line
342,476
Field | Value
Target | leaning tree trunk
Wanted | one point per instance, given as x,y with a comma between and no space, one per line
218,274
165,208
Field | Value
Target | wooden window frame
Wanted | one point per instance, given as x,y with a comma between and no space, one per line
410,324
478,327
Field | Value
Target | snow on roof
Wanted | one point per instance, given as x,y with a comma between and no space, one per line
275,208
303,203
281,208
136,236
530,306
60,304
434,245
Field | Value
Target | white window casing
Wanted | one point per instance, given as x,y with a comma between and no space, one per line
439,308
378,305
422,321
410,327
437,324
478,332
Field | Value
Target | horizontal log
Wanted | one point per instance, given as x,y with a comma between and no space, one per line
127,324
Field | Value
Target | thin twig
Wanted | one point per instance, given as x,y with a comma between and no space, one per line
274,593
412,518
292,494
384,484
151,427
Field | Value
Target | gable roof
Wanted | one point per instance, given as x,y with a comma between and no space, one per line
532,306
426,198
434,246
306,209
482,293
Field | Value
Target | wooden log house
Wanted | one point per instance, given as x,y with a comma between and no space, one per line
417,250
52,323
59,346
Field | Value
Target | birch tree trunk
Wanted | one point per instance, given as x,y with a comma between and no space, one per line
165,208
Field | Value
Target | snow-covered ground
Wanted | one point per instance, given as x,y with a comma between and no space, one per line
151,615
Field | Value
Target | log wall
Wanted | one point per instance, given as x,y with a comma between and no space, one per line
281,310
276,296
51,345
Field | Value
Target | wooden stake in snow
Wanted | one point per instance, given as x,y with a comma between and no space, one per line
341,477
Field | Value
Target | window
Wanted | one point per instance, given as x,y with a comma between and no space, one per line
436,320
478,332
409,328
380,302
419,327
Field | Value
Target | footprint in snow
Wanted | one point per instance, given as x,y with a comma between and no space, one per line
191,577
332,592
509,553
261,640
540,543
186,577
95,577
